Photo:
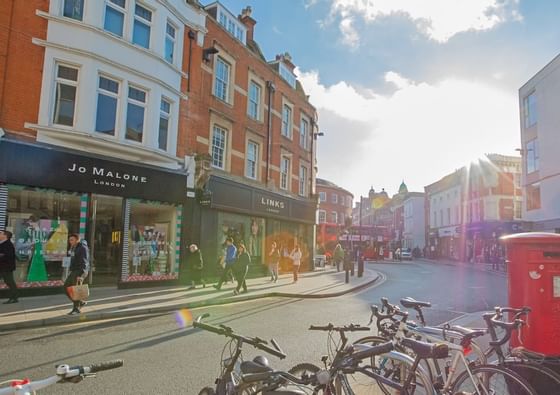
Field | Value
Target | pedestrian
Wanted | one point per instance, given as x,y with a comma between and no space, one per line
296,261
273,262
338,256
8,264
243,262
195,264
230,259
79,266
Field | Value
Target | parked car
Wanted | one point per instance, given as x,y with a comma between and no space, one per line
406,254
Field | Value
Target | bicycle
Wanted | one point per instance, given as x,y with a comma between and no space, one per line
64,374
474,378
230,381
527,364
339,375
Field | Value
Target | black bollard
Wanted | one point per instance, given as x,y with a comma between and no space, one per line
360,267
347,280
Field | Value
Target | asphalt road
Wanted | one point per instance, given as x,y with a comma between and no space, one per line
162,358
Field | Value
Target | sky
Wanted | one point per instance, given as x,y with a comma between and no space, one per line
409,89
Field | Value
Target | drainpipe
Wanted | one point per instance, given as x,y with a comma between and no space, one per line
271,88
192,36
6,59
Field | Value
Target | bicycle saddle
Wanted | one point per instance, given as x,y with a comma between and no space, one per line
254,367
427,350
411,303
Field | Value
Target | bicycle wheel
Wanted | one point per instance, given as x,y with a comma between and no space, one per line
543,380
207,391
491,380
395,366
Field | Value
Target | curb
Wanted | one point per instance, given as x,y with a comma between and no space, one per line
94,316
461,264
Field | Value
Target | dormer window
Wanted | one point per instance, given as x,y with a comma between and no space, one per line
232,24
287,75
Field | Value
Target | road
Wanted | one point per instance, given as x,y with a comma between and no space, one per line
162,358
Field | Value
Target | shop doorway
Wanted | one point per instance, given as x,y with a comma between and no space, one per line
106,239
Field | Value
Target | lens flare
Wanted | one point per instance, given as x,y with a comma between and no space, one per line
183,317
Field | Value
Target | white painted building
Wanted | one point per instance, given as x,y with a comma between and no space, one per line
112,76
414,234
539,99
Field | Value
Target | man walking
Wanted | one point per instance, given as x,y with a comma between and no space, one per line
243,262
8,264
231,257
79,266
195,266
273,261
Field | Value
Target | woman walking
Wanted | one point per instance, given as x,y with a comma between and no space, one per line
243,262
273,261
296,261
195,265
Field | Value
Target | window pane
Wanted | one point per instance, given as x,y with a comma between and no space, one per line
218,147
137,94
141,35
162,137
121,3
170,30
222,79
64,104
169,49
134,122
165,106
114,21
68,73
74,9
108,85
106,114
143,13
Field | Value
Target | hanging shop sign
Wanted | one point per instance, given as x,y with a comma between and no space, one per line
27,164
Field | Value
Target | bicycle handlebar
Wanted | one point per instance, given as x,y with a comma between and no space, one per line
492,322
99,367
345,328
228,332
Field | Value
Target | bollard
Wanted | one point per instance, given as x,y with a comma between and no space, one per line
347,279
360,267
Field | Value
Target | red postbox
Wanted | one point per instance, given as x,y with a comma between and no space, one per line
533,261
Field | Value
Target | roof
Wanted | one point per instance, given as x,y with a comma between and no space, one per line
325,183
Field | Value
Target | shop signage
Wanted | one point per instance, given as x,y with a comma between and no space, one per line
269,204
205,198
32,165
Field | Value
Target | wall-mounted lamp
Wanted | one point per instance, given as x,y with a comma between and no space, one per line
207,52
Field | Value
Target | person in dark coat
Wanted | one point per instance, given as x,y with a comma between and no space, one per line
79,266
243,262
195,264
8,264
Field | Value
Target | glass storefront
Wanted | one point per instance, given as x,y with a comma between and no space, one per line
242,229
154,239
288,234
41,220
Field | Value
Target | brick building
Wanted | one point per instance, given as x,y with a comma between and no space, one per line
251,128
335,203
90,93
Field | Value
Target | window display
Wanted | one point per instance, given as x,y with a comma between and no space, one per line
153,241
40,221
242,229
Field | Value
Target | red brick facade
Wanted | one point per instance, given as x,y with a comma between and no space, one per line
202,110
21,62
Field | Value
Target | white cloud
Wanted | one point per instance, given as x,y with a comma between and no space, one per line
437,19
419,133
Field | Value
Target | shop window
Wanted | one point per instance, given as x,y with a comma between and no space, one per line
242,229
41,221
73,9
164,111
153,239
65,95
107,104
135,114
114,16
142,23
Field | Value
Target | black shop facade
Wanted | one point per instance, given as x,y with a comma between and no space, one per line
131,216
254,217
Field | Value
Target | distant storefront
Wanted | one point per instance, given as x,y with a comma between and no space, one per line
255,217
130,215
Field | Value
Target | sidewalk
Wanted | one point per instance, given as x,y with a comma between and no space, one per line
487,267
110,302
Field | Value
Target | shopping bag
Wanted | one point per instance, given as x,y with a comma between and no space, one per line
79,292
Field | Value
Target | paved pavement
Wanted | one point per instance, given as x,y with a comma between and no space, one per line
110,302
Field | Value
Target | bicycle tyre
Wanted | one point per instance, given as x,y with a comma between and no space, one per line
544,380
207,391
423,372
492,379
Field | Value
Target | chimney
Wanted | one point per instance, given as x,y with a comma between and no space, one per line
249,22
286,58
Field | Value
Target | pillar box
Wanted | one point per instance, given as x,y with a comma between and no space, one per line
533,264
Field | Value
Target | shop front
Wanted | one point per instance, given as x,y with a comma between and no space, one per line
256,218
130,216
482,243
